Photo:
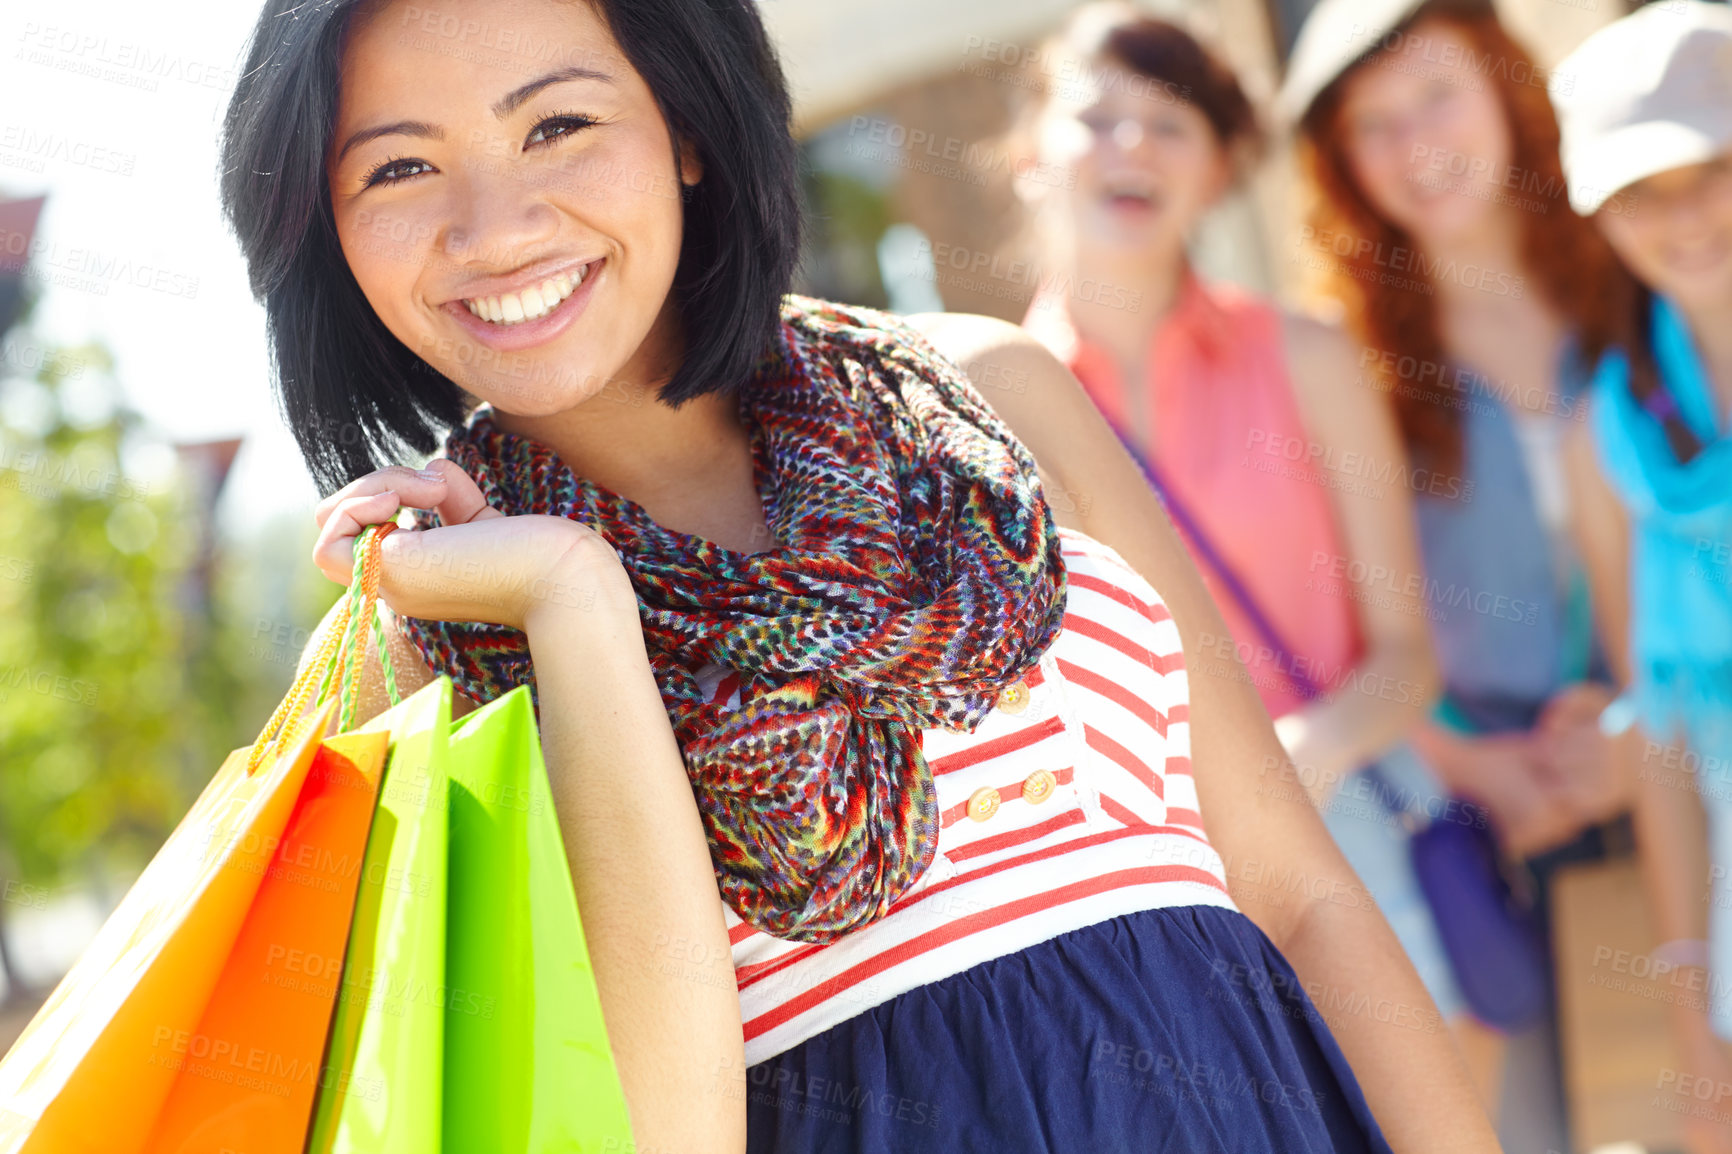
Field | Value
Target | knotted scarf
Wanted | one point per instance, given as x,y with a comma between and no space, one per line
919,571
1681,517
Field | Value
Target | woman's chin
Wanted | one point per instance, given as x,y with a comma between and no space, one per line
1449,219
1135,225
558,392
1697,283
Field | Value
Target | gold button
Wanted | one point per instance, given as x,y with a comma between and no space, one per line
1038,786
1013,698
983,803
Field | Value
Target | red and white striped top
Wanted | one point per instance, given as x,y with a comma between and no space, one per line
1072,803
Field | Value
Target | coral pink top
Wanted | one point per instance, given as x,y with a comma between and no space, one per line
1228,438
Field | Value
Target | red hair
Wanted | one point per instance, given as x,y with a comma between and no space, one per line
1573,267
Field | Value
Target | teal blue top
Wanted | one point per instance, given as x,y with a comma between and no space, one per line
1680,540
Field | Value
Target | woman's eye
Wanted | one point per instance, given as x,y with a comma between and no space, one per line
396,169
1439,92
557,127
1098,123
1371,129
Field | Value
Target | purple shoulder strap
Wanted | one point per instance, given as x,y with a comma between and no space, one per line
1193,530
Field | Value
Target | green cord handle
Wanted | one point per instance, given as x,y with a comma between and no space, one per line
313,684
347,656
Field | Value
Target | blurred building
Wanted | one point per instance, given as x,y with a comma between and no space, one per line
17,230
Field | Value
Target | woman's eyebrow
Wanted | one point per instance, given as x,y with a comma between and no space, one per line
510,102
506,105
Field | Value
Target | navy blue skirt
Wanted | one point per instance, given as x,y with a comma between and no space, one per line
1172,1030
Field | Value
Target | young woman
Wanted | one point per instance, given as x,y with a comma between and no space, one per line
1652,167
851,742
1439,221
1288,481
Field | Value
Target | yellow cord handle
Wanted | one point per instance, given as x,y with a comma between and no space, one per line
341,650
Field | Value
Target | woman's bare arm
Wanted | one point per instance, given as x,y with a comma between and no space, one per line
636,848
1396,681
1338,943
1671,829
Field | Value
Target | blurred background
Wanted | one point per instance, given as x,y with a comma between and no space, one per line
155,518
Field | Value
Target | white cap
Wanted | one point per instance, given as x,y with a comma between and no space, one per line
1644,94
1333,37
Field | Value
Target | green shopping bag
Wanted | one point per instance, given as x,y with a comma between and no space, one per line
382,1084
467,1014
527,1063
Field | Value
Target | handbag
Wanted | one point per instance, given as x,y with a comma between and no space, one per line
1490,933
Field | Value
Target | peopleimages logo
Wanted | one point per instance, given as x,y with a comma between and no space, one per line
1409,372
1025,274
1350,463
1418,585
1405,259
1414,48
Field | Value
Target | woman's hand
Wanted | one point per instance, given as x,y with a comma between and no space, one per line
1588,769
480,565
640,863
1504,773
1706,1058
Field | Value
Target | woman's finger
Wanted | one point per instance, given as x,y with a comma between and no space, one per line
334,552
462,501
416,488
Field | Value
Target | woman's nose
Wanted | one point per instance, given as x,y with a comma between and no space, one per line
495,214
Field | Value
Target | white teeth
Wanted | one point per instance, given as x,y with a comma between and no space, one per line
530,303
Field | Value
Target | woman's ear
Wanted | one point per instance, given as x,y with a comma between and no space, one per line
691,164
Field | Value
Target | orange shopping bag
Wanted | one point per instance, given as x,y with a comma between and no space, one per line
186,1024
248,1073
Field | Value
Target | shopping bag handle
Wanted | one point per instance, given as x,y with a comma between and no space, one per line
341,650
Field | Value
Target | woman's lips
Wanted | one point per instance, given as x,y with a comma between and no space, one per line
1130,199
528,334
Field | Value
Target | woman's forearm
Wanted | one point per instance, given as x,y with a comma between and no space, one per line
1672,846
1389,693
641,866
1354,968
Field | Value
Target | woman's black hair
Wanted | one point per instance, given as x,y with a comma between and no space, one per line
1646,387
355,396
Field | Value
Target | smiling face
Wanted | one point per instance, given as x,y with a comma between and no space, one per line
1427,141
1147,162
513,216
1676,234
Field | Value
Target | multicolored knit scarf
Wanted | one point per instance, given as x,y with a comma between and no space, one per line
919,572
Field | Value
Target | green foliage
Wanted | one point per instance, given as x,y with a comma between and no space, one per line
99,749
122,681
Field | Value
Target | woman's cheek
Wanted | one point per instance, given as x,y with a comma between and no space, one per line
1379,171
1479,128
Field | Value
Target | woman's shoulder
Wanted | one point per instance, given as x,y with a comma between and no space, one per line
965,332
1326,367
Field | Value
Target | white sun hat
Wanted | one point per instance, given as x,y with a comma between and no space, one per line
1644,94
1332,39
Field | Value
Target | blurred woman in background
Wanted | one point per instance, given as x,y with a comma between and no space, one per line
1288,483
1647,150
1481,299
